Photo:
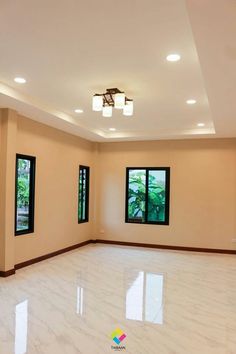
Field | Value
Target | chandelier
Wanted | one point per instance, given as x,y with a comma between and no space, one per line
112,98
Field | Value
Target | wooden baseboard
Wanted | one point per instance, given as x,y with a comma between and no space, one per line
110,242
167,247
50,255
7,273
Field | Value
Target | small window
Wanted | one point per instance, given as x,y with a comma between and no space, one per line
24,194
147,195
83,210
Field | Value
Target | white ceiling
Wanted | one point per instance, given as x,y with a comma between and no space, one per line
70,49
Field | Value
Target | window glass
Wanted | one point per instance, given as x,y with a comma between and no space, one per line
83,205
25,169
147,195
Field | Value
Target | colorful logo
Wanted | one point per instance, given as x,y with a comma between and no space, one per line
118,336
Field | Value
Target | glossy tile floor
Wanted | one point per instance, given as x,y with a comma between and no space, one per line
160,302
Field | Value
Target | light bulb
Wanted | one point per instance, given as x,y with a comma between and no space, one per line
107,111
20,80
119,100
128,108
173,57
97,103
191,101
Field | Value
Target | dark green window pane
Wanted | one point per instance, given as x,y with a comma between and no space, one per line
23,197
136,195
80,193
147,195
24,194
156,195
83,194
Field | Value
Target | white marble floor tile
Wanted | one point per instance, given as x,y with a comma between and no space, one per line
164,302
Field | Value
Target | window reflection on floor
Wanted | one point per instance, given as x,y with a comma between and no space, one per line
80,299
21,327
144,298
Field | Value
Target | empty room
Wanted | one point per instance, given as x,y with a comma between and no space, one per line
118,177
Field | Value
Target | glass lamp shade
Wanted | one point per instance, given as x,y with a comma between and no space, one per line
119,100
107,111
97,103
128,108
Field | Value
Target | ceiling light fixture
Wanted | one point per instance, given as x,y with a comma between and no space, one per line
119,99
173,57
128,108
97,103
78,110
107,111
112,98
20,80
201,125
191,101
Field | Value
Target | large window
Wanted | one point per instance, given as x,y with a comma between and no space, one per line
83,212
24,198
147,195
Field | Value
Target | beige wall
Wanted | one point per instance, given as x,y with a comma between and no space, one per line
7,182
58,156
203,192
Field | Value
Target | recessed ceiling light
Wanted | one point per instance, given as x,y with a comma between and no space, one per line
191,101
201,125
112,129
173,57
78,110
20,80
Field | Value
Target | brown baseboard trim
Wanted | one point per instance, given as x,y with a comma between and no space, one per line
50,255
167,247
7,273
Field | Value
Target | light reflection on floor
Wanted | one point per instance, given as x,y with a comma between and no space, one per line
144,298
157,301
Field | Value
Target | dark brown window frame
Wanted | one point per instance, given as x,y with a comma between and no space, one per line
86,170
167,189
32,160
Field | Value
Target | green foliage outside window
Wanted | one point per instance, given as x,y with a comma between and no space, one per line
83,209
146,195
23,183
137,195
156,199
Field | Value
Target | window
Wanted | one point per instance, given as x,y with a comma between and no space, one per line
147,195
83,212
24,194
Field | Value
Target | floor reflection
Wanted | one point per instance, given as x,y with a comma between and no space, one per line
73,303
21,327
144,297
80,291
80,300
